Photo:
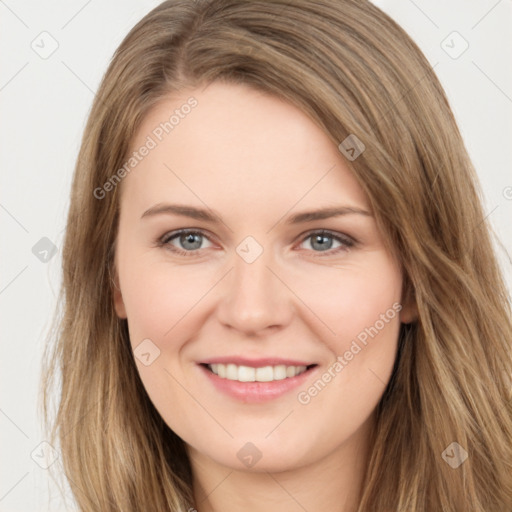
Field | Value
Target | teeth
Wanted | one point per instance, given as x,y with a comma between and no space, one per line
250,374
246,374
290,371
231,372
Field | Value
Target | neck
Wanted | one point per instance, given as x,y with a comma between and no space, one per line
331,483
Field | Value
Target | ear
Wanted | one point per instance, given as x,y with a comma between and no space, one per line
118,297
409,311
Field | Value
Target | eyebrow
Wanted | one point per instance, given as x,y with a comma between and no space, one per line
210,216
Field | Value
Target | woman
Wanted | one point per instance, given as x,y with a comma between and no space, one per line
338,335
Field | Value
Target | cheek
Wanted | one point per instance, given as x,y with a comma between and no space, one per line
345,302
162,305
359,313
365,316
157,296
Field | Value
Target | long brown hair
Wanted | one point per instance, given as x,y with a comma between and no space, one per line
353,70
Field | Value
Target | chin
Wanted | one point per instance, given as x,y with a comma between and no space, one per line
258,456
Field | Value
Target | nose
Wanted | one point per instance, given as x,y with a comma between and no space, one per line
255,297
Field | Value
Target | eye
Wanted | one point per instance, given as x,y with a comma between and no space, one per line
187,241
322,241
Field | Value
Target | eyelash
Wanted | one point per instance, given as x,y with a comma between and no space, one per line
347,242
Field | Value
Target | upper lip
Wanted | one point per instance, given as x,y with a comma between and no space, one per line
256,363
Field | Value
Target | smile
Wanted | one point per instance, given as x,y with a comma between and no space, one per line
251,374
251,381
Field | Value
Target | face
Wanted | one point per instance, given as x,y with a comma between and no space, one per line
263,332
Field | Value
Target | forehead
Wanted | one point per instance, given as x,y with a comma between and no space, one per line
238,144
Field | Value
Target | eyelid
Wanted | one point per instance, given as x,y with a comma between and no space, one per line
185,231
330,232
164,240
347,241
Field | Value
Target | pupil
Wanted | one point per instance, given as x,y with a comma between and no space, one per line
192,239
323,242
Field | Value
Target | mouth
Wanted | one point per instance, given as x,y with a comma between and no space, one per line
268,373
256,381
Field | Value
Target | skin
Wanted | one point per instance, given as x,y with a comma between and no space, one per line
256,160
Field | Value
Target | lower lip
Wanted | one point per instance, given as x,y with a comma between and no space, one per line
257,392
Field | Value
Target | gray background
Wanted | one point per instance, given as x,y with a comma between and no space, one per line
44,102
